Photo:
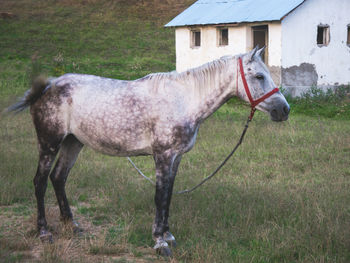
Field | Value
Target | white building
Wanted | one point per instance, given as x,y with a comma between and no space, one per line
308,41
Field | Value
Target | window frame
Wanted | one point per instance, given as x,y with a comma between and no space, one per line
193,37
326,35
220,37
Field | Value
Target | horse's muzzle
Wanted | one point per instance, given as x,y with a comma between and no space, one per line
280,112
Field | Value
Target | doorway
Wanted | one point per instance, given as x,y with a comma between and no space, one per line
260,37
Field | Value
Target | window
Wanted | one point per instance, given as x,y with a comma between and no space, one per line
348,41
323,35
223,36
195,38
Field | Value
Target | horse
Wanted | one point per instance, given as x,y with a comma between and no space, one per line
159,115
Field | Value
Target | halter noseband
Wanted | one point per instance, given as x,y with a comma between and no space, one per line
253,103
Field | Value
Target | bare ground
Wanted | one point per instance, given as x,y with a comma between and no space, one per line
89,246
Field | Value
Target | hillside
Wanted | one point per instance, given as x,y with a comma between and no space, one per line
114,38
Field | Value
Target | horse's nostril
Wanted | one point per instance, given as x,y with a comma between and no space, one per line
286,110
274,114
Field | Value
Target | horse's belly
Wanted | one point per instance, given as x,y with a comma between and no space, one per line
117,147
117,141
123,152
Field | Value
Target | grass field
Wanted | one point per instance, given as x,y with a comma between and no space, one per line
284,197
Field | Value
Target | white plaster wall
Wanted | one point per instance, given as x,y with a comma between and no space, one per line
299,32
275,42
187,57
240,41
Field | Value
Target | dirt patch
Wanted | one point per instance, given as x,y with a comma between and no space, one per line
19,241
7,15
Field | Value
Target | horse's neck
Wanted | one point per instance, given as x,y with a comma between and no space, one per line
211,90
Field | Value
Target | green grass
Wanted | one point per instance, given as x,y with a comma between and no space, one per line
284,196
330,104
116,39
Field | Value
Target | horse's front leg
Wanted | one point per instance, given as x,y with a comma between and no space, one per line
164,185
168,237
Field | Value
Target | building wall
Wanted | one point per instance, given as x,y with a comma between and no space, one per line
240,41
304,63
275,51
189,57
275,40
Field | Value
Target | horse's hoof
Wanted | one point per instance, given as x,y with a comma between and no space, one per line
170,239
172,243
76,228
164,252
162,248
46,237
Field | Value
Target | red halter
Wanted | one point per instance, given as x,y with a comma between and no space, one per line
253,102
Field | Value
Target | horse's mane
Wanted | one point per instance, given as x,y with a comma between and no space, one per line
195,75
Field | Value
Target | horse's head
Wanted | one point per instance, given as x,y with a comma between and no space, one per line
260,83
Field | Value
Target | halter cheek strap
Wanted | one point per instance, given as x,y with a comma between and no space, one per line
253,102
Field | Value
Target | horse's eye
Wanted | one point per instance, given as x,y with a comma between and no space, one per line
260,76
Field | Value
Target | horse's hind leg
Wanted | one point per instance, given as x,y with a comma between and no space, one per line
46,158
69,151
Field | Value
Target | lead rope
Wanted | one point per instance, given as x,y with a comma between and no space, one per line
226,159
139,171
216,170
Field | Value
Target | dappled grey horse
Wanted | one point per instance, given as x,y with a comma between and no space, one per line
156,115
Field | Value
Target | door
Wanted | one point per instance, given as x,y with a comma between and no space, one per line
260,37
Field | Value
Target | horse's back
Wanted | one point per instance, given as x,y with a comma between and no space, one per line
115,117
111,116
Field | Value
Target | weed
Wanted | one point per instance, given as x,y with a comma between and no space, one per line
330,104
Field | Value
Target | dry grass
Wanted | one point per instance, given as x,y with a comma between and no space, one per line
19,241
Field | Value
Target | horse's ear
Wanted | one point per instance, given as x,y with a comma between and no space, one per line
261,51
252,53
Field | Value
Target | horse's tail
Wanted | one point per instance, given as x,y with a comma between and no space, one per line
31,96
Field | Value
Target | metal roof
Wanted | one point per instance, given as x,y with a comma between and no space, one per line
205,12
